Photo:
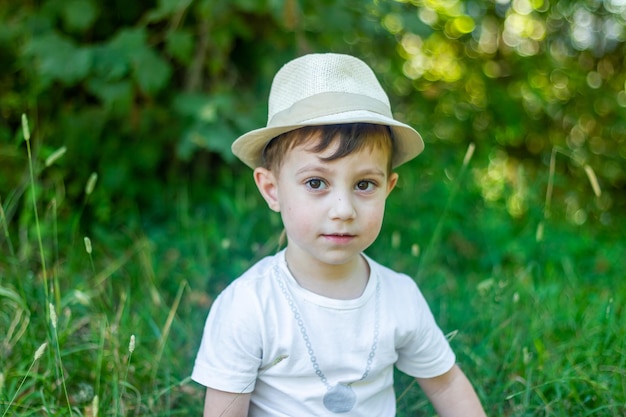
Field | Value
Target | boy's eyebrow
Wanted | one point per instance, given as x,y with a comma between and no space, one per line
324,170
312,167
376,172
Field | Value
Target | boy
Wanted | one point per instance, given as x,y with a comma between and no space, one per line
316,329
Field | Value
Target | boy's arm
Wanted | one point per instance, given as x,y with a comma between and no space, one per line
225,404
452,394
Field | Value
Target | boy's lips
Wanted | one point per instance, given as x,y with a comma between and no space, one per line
339,237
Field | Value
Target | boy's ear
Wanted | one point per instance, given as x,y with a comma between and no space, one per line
267,184
392,182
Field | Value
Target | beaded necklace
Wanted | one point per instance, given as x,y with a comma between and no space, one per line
339,398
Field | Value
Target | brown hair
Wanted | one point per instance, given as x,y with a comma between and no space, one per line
352,137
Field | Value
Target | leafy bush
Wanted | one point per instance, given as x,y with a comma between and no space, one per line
125,214
140,94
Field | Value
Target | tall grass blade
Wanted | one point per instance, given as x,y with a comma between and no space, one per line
166,329
54,322
38,354
131,349
593,180
591,176
5,229
26,133
428,252
55,277
549,190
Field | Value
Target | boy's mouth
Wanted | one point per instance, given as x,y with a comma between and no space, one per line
339,237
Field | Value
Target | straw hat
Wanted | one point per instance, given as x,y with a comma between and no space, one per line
326,89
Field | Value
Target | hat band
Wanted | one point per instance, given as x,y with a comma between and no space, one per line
326,104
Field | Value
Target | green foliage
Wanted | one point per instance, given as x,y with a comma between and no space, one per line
150,88
535,322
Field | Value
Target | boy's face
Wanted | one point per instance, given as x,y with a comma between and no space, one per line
331,210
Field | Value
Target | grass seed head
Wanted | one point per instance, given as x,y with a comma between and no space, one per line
53,316
396,239
469,153
131,344
91,183
25,128
39,352
539,232
95,403
55,156
275,362
279,359
415,249
87,245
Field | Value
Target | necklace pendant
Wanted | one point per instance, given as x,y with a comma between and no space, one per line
340,399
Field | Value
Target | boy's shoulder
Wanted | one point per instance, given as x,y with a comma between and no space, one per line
252,287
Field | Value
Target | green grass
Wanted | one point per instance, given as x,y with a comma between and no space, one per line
537,325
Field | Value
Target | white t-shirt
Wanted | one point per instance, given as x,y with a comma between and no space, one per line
255,341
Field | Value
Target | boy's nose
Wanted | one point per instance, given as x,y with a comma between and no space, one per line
342,208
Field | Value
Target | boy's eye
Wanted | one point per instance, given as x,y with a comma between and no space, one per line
315,183
365,185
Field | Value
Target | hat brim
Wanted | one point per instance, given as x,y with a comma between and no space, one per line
408,142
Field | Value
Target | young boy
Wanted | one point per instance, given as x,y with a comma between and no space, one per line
316,329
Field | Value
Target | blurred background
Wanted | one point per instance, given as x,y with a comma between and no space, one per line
147,93
512,220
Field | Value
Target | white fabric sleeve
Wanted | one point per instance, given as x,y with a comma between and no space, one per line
424,352
230,352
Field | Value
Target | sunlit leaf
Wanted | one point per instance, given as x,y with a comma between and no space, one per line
199,107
